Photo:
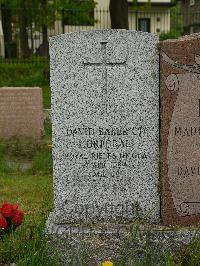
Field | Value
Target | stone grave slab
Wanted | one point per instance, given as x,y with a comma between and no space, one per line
21,112
105,115
180,130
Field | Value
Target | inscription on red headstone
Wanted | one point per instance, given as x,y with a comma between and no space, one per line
180,130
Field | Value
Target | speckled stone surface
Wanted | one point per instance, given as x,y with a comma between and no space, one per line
105,115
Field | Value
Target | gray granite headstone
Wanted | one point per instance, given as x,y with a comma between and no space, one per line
105,115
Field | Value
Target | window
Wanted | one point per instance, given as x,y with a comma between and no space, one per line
144,24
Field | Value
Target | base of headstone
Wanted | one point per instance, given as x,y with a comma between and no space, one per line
96,243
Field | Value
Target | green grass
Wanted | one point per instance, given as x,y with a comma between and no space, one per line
28,75
26,190
26,246
32,189
27,242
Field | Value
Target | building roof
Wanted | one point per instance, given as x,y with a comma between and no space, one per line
154,3
157,4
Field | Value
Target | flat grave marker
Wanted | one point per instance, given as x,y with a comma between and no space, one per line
21,112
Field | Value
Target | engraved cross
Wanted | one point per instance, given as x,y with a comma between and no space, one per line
104,64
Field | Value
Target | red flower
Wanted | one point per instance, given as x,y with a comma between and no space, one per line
3,222
18,217
8,210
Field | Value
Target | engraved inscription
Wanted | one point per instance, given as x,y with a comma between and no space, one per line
102,149
184,146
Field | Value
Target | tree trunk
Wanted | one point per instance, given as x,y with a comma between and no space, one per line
6,23
45,45
119,14
25,51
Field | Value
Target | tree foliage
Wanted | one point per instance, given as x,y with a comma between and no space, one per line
143,6
31,16
176,21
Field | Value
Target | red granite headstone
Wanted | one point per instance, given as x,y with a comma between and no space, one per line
180,130
21,112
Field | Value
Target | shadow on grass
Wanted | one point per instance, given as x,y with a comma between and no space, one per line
27,155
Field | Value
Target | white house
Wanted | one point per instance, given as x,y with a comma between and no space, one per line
154,20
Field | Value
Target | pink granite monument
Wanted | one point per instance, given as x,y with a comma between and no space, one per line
21,112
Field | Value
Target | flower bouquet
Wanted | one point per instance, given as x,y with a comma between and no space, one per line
10,217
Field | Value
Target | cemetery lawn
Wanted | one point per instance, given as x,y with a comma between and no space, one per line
31,187
27,75
34,194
